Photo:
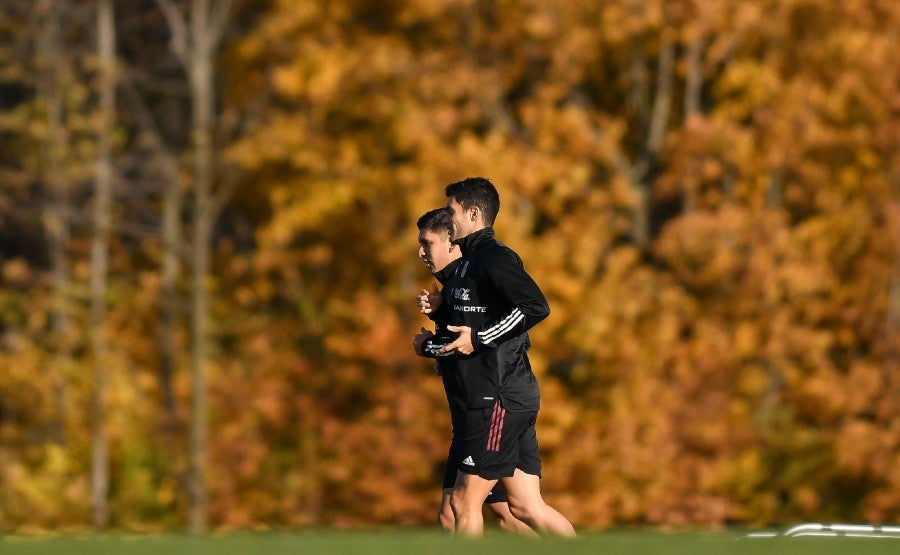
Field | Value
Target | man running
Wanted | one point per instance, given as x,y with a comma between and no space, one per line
493,302
441,257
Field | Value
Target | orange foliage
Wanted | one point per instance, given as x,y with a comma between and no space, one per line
740,368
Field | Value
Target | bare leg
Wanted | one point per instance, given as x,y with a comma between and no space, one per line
508,522
445,513
466,501
526,503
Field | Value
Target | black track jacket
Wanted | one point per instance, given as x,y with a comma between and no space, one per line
490,292
446,365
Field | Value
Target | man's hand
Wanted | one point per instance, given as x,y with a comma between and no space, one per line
419,339
462,344
429,301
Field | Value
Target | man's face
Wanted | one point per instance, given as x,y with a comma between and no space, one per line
463,221
435,249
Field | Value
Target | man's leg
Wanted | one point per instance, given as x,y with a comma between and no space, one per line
476,476
524,488
526,503
445,512
490,451
498,503
507,521
466,500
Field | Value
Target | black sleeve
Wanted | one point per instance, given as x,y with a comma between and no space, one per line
441,338
528,306
442,315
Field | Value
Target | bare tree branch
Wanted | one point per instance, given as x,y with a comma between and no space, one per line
221,12
694,79
221,196
178,28
147,122
663,101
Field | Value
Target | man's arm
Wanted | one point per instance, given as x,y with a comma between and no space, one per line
426,343
516,288
519,290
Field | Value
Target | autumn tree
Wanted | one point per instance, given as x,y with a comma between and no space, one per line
706,192
196,32
102,216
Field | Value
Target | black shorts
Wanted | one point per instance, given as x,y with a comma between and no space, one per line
496,442
497,495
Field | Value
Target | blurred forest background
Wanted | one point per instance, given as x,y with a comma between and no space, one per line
208,255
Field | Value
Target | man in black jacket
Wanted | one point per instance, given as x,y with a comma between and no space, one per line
441,257
492,303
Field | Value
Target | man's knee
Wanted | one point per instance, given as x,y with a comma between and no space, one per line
527,511
462,499
505,519
501,512
457,502
506,522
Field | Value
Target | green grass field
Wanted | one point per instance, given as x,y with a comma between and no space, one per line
397,541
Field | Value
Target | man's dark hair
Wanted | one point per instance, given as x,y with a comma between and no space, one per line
437,220
478,192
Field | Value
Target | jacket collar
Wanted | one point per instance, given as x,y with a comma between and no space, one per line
443,275
474,240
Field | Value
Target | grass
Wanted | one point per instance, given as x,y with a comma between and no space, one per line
401,541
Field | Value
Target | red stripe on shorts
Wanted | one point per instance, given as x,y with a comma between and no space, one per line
496,430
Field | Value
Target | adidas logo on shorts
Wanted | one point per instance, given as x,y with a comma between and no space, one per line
468,461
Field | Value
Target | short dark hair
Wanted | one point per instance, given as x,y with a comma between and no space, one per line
437,220
478,192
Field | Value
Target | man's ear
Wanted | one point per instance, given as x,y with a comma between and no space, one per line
474,213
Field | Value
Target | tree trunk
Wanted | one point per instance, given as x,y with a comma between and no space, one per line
201,91
200,72
195,41
775,382
692,89
172,249
655,122
662,100
171,269
99,260
694,79
55,210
